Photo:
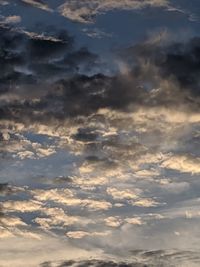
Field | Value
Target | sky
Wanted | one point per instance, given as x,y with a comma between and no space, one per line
99,133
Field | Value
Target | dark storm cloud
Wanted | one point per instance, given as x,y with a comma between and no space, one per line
178,60
9,56
30,62
85,95
41,49
26,57
183,62
47,68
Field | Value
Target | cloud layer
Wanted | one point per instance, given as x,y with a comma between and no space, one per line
108,163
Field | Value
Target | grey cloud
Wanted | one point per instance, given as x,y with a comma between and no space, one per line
102,263
178,61
4,188
183,62
28,57
154,258
62,92
7,189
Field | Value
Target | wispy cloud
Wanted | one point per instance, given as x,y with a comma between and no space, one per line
86,11
38,4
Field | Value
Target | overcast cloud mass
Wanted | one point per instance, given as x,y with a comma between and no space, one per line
99,133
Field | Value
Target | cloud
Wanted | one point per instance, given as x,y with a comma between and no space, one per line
134,221
4,233
66,197
22,148
81,234
53,194
175,61
4,3
31,251
183,163
72,94
86,11
116,222
11,19
123,194
121,136
21,206
172,187
145,202
182,63
11,221
88,183
7,189
56,217
34,57
112,221
38,4
141,259
11,227
96,33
